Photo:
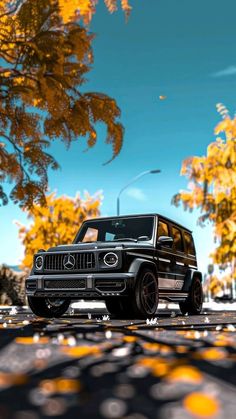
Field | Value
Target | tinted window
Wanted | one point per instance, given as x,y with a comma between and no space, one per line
189,243
162,229
178,241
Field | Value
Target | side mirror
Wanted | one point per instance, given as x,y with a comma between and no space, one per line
165,241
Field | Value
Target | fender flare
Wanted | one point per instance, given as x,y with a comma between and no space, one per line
189,277
139,264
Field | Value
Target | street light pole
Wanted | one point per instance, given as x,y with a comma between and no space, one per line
132,181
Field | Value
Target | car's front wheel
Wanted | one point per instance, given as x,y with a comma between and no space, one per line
193,304
145,298
48,307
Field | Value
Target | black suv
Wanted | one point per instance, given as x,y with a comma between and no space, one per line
130,262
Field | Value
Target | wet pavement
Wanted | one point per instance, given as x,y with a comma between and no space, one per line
90,366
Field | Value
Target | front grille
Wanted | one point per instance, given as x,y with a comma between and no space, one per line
83,261
64,284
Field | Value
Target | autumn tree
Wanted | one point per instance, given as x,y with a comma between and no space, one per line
45,53
212,189
56,223
84,9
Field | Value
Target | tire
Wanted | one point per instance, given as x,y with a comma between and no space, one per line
119,307
193,304
114,306
49,308
144,301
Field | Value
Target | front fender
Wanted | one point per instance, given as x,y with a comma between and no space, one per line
139,264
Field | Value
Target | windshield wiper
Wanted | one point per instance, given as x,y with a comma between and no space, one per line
125,239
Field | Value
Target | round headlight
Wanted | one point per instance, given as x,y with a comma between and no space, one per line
39,262
110,259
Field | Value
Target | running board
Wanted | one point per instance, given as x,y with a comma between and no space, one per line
177,296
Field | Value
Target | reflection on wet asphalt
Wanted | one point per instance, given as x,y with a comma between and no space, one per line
170,367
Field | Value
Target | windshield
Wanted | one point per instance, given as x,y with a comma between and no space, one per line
116,229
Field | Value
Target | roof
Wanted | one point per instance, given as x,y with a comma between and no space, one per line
142,215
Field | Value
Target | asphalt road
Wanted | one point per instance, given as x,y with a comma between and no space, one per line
90,366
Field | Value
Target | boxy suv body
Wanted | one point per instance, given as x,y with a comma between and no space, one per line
130,262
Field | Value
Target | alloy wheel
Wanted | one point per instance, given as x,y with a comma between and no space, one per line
197,294
149,292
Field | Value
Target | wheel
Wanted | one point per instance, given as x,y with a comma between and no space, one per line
114,306
48,307
145,298
119,307
193,304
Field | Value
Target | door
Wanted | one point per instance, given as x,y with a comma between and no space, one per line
179,258
190,251
164,256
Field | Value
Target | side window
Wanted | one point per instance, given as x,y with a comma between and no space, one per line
162,229
178,241
189,244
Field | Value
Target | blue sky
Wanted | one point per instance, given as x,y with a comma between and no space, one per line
182,49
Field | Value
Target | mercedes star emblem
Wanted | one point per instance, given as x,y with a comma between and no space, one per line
69,262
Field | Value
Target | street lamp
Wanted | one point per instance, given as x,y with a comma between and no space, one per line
147,172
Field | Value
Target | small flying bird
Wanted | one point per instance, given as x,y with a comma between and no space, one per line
162,97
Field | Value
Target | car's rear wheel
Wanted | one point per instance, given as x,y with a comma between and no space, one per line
48,307
193,304
145,298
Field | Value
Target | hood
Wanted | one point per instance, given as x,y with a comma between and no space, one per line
100,245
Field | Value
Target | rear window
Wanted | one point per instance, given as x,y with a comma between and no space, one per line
178,241
189,244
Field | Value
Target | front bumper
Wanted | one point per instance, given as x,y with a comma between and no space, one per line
79,285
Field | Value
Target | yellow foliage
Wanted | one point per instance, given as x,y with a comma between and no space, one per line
45,53
56,223
201,405
69,9
6,73
84,9
212,189
37,102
